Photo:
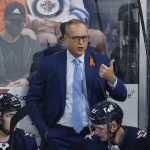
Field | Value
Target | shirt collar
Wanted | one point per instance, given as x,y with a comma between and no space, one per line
70,57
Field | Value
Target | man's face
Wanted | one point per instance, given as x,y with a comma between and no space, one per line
77,39
101,132
14,27
6,118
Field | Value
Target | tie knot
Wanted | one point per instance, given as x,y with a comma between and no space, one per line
77,61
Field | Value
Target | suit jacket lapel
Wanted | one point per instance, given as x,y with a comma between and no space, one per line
89,74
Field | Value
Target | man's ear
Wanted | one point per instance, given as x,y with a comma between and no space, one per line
114,126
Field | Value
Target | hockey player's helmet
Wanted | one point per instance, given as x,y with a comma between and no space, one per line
8,102
105,112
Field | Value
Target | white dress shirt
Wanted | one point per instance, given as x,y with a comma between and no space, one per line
66,119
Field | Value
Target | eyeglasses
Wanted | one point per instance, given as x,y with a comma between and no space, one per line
84,38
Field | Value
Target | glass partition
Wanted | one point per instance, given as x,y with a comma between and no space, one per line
114,29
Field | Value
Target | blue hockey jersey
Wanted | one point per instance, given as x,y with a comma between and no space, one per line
22,140
134,139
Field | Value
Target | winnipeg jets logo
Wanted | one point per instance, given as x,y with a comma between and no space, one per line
4,146
48,6
141,133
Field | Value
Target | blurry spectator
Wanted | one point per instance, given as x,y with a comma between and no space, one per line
51,50
3,4
102,46
93,9
16,50
46,17
126,53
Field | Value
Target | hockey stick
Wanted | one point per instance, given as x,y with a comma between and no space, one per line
20,114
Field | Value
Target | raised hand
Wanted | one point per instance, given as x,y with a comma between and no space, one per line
108,72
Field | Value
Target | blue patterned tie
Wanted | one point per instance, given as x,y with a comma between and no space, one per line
77,112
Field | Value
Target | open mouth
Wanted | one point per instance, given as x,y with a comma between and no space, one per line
80,48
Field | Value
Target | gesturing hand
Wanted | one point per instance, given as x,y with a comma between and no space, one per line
108,72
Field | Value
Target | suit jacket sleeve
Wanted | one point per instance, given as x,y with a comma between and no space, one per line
119,92
34,95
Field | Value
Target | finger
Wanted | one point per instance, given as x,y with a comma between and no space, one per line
11,84
50,31
112,63
49,25
14,82
104,67
102,72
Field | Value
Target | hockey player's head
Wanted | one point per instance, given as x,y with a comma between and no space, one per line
106,111
9,104
106,116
